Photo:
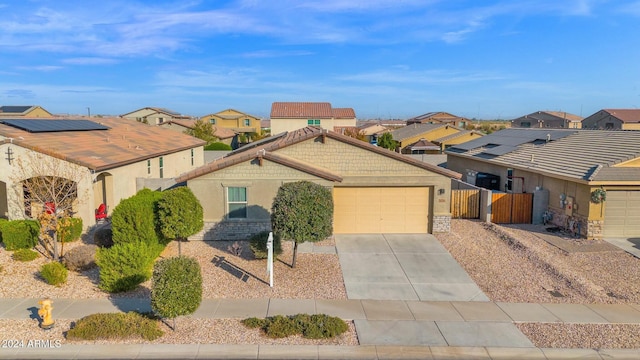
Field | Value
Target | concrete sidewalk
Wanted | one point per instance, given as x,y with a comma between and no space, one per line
386,328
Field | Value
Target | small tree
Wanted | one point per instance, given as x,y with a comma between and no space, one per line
302,211
386,141
176,287
202,130
355,133
180,214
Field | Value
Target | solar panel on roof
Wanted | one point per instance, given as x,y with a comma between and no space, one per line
38,126
500,150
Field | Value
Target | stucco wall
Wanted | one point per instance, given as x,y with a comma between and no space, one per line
282,125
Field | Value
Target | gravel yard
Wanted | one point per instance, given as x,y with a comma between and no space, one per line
508,263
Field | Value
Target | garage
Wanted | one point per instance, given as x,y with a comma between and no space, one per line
622,218
367,210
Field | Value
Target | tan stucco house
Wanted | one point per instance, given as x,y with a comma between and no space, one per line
154,115
565,170
374,190
223,135
27,111
613,119
411,138
548,119
440,117
112,158
234,120
290,116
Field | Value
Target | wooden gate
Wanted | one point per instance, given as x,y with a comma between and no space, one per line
511,208
465,204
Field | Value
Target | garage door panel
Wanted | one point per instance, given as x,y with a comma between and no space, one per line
622,214
381,210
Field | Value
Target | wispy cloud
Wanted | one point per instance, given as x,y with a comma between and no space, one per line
43,68
89,61
274,53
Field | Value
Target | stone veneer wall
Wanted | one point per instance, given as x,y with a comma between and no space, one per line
231,230
442,223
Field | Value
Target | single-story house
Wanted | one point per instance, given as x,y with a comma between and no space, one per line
290,116
374,190
110,158
548,119
442,135
613,119
568,171
26,111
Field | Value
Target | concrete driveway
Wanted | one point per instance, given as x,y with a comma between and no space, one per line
402,267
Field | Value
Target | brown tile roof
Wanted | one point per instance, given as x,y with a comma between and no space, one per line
320,110
125,142
565,115
625,115
344,113
271,144
423,144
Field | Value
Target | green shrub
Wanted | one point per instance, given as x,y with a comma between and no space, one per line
115,326
125,266
80,258
2,222
135,219
217,146
25,255
180,214
70,229
177,287
318,326
54,273
103,237
20,234
258,244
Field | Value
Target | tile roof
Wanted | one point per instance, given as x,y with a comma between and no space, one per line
625,115
565,115
344,113
309,110
273,143
414,129
423,144
123,143
586,155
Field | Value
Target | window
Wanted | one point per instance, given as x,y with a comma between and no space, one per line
212,121
313,122
237,202
247,122
608,126
161,167
148,167
192,160
509,185
160,120
525,124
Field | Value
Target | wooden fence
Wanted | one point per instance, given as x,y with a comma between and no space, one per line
465,204
511,208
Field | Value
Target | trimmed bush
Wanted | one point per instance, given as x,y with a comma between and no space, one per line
135,219
318,326
24,255
20,234
69,229
217,146
81,258
54,273
125,266
177,287
115,326
258,244
180,214
103,237
2,222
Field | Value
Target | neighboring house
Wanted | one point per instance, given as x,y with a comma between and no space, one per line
563,168
440,118
411,138
116,158
289,116
224,135
28,111
154,115
374,190
613,119
234,120
372,130
548,119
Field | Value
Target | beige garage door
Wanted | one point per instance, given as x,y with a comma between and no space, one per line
367,210
622,214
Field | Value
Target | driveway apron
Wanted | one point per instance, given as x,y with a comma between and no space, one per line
402,267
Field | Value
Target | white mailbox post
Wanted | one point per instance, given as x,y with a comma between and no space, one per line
270,258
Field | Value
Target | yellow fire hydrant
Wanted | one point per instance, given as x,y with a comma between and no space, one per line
45,314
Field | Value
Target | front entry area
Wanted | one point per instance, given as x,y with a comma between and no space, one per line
365,210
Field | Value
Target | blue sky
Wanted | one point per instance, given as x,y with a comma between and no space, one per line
384,58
